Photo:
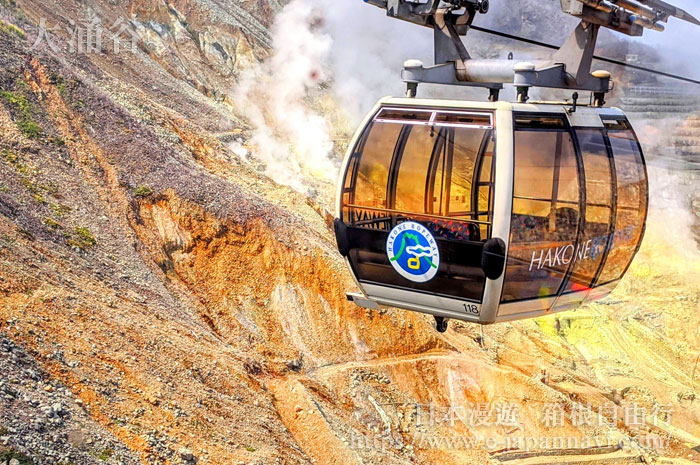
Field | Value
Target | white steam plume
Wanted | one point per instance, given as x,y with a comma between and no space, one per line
290,138
368,54
347,44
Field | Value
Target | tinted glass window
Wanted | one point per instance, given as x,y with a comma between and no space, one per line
545,213
466,146
375,159
463,119
599,191
617,125
413,169
631,211
399,115
539,122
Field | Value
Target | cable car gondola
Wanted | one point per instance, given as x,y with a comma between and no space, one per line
491,211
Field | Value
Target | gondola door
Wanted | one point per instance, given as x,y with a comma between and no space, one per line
546,216
416,203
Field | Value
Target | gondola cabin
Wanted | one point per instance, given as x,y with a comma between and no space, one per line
489,212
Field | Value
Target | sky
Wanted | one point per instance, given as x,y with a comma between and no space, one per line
677,31
679,41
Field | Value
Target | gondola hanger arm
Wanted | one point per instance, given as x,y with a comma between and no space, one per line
568,68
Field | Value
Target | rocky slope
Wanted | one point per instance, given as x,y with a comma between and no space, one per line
162,301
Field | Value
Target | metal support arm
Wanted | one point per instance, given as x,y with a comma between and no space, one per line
568,68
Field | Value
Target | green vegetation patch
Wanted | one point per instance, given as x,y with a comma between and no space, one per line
39,198
25,121
11,29
25,175
9,156
52,224
82,238
60,210
105,454
85,235
31,187
143,191
63,85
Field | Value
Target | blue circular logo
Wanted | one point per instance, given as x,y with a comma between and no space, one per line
413,252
